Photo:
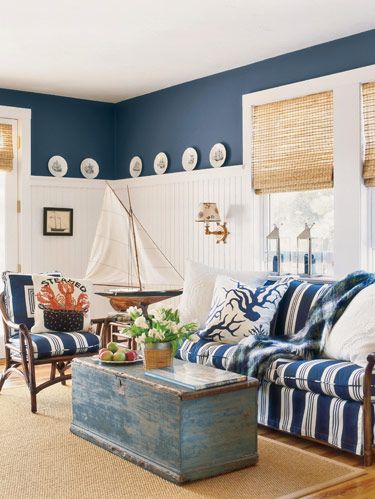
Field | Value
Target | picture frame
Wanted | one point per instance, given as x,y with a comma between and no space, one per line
57,221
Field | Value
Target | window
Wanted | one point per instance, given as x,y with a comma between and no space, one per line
290,211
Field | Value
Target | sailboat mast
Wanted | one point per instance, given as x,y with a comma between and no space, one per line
134,240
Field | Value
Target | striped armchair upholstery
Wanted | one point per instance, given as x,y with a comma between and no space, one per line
46,345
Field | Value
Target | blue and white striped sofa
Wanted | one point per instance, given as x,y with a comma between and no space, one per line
320,399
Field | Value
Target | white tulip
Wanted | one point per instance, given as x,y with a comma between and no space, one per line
141,322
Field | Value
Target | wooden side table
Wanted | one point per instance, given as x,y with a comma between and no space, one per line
113,333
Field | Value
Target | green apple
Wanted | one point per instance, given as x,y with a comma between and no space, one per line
112,347
119,357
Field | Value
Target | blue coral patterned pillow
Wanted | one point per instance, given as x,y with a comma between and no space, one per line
238,310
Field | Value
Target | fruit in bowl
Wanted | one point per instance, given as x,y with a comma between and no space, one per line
131,355
119,357
117,353
105,355
112,347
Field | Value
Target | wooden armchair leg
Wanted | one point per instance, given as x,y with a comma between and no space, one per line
32,388
53,371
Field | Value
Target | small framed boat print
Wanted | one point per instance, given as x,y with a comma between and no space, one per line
160,163
57,221
89,168
218,155
57,166
189,159
135,167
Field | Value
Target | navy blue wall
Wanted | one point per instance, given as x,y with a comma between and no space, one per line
209,110
73,128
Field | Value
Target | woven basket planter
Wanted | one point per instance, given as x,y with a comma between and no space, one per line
157,355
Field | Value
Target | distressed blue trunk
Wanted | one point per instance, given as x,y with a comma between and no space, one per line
178,433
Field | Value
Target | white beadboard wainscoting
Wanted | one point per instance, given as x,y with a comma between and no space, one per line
166,205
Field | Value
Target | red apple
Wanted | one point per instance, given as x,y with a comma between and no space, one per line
102,350
132,355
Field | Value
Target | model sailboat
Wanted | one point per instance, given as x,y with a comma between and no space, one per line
125,256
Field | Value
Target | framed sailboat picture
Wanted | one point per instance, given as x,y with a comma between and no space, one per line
57,221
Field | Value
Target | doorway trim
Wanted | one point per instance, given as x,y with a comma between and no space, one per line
23,117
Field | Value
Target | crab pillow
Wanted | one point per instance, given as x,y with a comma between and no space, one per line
61,304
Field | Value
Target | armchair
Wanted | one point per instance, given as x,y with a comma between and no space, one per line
25,350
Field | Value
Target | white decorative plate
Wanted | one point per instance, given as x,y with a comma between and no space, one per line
57,166
160,163
218,155
135,167
89,168
189,159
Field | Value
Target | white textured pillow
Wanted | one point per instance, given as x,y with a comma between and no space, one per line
353,336
239,310
199,283
61,304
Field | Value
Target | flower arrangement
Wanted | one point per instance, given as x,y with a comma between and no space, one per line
160,326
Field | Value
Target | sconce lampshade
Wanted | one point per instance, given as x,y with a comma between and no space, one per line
208,212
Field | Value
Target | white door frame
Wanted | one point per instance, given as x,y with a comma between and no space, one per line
23,118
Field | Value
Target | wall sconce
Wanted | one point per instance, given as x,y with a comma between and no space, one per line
208,212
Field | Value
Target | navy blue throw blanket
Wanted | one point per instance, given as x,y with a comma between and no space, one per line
256,353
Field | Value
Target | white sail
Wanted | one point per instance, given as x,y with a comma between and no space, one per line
156,272
124,254
111,260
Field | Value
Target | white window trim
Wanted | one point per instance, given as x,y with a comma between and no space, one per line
351,217
23,117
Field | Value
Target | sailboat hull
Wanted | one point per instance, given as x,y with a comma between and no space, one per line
122,300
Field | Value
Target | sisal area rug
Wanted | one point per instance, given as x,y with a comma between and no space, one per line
41,459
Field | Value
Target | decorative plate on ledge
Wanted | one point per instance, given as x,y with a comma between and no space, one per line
189,159
89,168
57,166
160,163
218,155
135,167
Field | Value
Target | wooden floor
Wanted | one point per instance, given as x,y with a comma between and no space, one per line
362,487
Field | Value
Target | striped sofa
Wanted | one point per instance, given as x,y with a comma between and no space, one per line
329,400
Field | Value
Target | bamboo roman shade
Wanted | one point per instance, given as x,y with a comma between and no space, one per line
6,148
293,144
368,106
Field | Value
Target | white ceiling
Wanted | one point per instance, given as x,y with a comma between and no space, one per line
116,49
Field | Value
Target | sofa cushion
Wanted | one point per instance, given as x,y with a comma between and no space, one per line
330,377
353,336
199,286
56,344
239,310
295,305
208,353
19,297
330,419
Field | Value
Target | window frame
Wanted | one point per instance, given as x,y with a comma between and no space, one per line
352,237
